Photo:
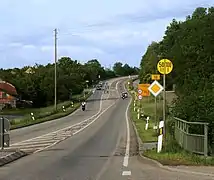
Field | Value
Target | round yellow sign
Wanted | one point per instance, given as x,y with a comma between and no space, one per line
165,66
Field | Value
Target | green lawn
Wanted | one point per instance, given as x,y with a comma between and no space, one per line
45,114
179,158
148,108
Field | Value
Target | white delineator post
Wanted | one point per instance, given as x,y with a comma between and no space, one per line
147,123
160,136
32,116
134,106
138,113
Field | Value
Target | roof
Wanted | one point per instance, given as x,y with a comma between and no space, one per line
8,88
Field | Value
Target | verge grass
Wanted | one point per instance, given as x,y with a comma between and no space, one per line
48,113
172,154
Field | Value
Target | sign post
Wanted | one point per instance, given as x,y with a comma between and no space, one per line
164,67
155,77
4,132
155,88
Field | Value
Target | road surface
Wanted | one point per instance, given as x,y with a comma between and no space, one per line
99,152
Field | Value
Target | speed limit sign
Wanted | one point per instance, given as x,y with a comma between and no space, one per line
140,97
139,91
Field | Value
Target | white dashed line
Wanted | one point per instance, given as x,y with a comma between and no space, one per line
126,173
126,158
48,140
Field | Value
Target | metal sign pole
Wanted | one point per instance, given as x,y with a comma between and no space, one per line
156,124
2,133
164,105
164,100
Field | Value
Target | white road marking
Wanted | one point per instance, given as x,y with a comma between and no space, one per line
126,173
126,157
48,140
55,132
117,85
81,128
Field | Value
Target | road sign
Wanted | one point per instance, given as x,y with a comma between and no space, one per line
155,76
155,88
144,88
164,66
6,124
140,97
139,91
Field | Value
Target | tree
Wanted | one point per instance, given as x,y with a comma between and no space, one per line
118,68
38,86
189,45
124,70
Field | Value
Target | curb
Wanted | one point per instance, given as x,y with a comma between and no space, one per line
141,157
12,157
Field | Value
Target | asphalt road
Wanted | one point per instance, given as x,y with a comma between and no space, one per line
96,153
92,107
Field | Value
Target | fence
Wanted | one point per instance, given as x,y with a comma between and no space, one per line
192,136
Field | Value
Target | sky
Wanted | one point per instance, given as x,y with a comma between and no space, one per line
107,30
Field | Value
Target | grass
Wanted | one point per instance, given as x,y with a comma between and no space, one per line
25,111
47,113
147,106
172,154
179,158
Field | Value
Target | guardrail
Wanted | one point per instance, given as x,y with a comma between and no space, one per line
192,136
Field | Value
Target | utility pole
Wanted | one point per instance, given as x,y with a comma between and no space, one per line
55,78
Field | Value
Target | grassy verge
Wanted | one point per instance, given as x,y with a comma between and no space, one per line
172,153
147,107
25,111
48,113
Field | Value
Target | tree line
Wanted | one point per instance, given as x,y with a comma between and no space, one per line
189,45
37,83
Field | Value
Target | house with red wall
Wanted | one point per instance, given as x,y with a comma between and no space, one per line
8,94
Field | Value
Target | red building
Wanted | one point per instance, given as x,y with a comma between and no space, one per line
7,94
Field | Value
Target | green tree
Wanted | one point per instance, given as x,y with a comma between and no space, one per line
189,45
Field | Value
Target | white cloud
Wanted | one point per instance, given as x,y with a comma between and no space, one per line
29,46
13,44
108,30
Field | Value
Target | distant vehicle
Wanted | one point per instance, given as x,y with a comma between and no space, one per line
83,106
100,83
98,87
124,95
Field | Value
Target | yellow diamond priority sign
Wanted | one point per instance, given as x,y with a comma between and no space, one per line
155,88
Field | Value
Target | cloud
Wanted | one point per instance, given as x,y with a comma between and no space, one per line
107,30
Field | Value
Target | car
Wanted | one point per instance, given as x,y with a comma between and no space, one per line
124,94
100,83
98,87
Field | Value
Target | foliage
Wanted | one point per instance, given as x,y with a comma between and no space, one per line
37,83
189,45
124,70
